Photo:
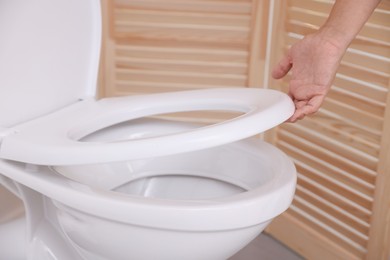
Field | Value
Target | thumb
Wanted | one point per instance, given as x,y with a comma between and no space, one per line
282,68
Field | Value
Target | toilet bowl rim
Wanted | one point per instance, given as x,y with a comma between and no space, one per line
244,209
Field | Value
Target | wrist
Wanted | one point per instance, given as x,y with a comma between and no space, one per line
331,35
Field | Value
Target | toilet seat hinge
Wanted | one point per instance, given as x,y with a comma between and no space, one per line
4,131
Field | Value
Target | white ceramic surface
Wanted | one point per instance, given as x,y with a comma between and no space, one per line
49,56
199,205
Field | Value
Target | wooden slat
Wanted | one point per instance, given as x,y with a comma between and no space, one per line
334,174
347,134
198,21
153,16
216,6
307,241
158,31
316,6
381,14
364,89
181,77
368,61
329,157
203,117
333,146
340,132
362,119
378,247
331,234
370,46
193,44
126,86
329,221
174,45
258,45
331,195
107,61
367,138
377,32
350,70
362,203
182,53
353,210
351,221
127,26
303,15
174,65
367,105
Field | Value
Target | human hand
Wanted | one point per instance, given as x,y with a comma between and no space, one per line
313,62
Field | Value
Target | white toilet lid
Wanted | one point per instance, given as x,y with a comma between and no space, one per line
49,56
54,139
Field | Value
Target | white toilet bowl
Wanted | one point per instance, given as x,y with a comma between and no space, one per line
98,180
205,204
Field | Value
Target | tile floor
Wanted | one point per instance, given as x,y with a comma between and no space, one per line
264,247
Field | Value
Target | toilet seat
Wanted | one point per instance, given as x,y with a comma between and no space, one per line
55,139
45,113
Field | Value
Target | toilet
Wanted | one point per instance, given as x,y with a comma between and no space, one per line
105,179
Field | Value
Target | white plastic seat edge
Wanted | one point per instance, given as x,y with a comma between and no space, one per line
264,109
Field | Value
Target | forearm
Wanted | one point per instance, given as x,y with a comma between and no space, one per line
314,60
346,19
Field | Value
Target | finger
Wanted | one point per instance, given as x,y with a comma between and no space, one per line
282,68
304,108
300,103
299,114
295,117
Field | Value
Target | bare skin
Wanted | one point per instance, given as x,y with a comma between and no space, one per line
314,60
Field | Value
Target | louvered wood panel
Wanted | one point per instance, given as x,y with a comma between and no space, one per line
342,205
169,45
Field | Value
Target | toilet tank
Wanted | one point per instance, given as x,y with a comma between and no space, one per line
49,56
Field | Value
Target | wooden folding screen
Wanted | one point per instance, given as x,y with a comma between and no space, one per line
342,204
341,208
167,45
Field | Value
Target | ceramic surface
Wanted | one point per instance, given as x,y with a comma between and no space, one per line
210,202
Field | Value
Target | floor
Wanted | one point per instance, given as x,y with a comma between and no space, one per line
264,247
